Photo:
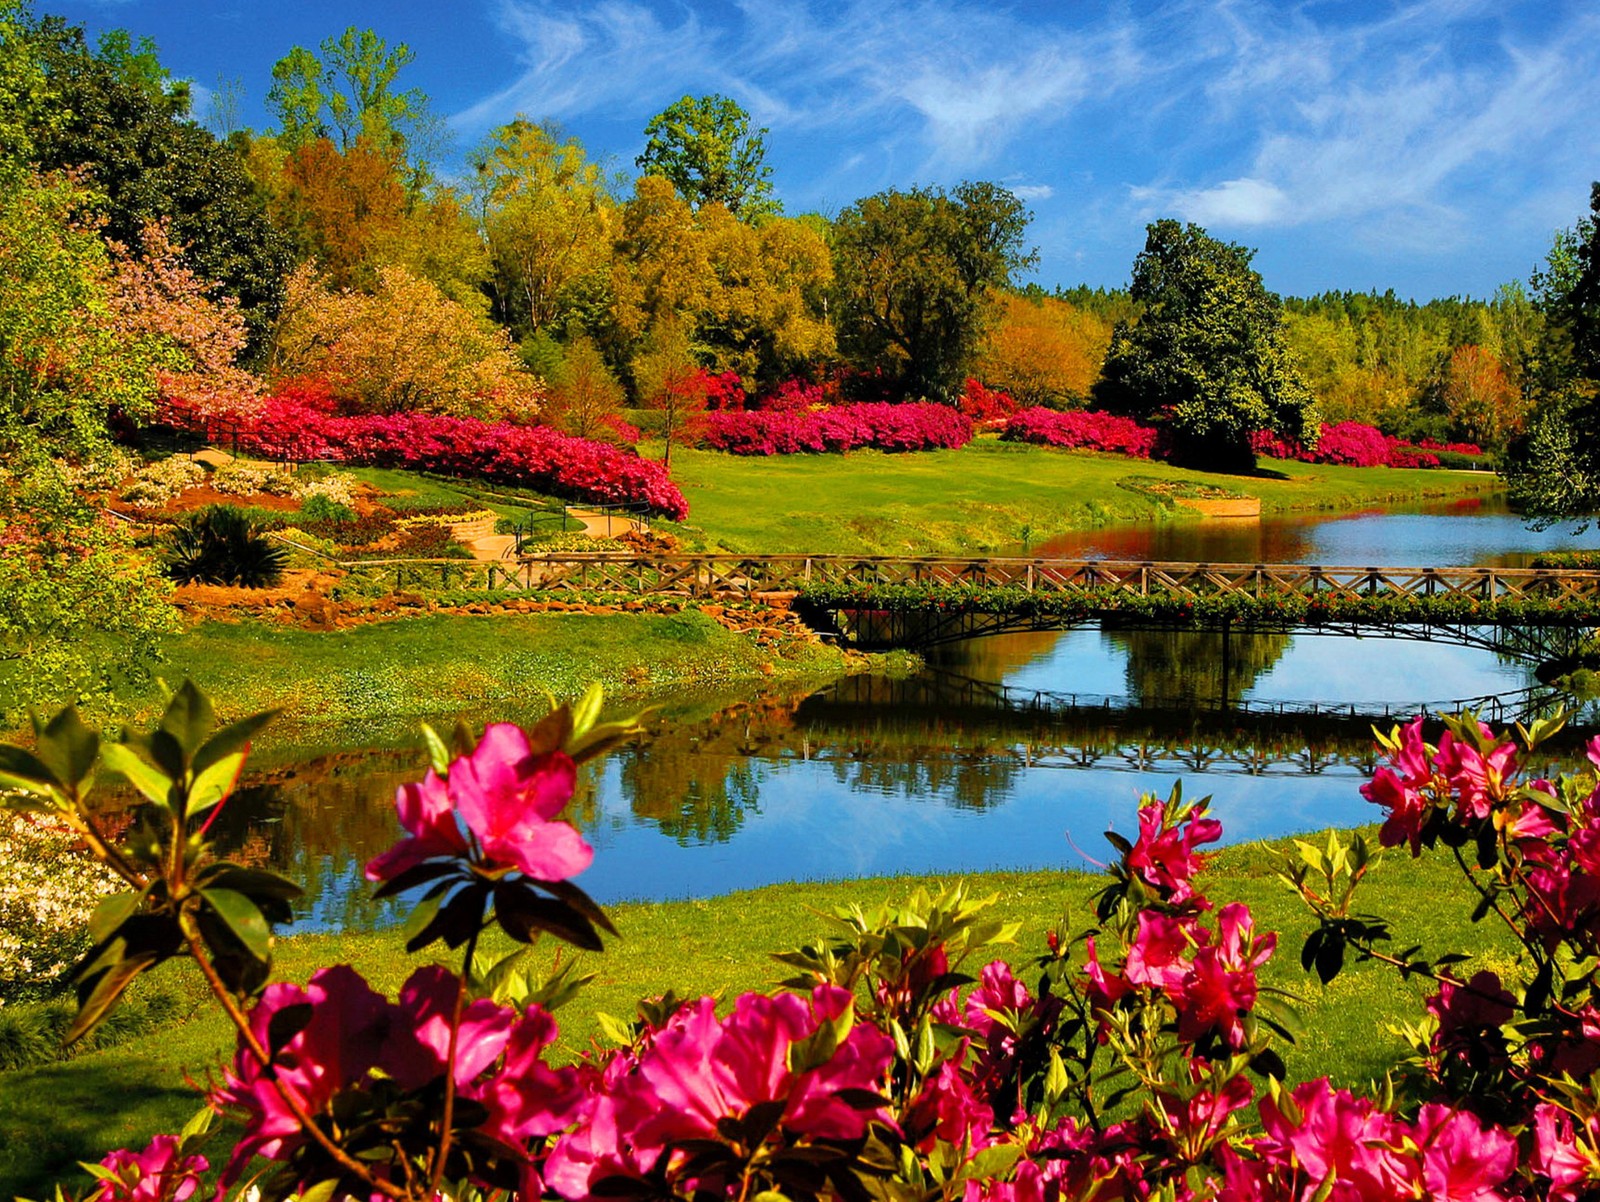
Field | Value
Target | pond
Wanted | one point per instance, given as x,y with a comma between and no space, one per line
1015,751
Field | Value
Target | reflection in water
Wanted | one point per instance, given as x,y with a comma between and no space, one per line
962,768
1198,667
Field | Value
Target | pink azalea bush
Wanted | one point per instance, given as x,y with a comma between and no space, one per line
1079,428
921,426
301,424
1140,1059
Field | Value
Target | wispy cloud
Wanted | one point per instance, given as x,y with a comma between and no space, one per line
962,83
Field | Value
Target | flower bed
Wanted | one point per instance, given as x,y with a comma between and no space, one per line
913,427
297,428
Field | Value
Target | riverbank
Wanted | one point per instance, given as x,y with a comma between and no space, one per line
993,496
428,664
61,1113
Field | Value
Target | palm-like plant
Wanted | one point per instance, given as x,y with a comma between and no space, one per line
220,545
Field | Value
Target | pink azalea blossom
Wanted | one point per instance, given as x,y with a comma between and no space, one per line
1478,781
157,1174
1463,1159
1165,857
431,829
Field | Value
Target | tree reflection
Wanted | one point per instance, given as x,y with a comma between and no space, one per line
694,798
1187,667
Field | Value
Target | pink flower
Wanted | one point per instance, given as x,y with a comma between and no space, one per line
1570,1168
430,825
1477,780
507,797
1221,987
1156,957
1402,790
1463,1159
157,1174
419,1043
1165,857
1341,1139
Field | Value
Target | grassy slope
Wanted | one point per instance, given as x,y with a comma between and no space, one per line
53,1116
428,665
980,497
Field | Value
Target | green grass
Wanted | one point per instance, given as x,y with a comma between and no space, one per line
438,663
981,498
55,1115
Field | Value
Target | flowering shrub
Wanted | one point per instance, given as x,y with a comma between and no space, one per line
792,396
724,392
986,406
913,427
163,480
246,479
48,889
1081,428
297,427
1143,1063
1356,445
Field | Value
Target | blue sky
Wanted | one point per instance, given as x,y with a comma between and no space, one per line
1431,147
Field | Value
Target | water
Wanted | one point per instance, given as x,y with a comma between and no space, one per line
1013,752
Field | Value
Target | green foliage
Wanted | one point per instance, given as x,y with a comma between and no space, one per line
704,145
118,116
350,92
913,273
220,545
319,508
1207,350
1553,472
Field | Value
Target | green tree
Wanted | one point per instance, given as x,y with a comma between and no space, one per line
914,275
546,212
1553,472
79,608
667,380
150,165
349,93
704,145
1207,351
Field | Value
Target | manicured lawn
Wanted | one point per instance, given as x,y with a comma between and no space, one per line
981,497
52,1116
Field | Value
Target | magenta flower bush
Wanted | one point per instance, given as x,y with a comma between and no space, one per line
1079,428
295,426
922,426
1140,1059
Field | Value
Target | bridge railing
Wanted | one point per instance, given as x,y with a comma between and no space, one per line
749,575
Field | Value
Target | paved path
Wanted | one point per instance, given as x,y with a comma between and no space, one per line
594,524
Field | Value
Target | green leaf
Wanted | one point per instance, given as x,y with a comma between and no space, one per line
215,783
200,1124
322,1191
100,992
69,749
587,711
148,779
243,918
22,769
112,912
614,1029
438,753
188,719
230,739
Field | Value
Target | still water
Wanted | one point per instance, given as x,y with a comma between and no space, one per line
1010,752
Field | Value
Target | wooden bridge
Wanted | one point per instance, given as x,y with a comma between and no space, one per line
882,601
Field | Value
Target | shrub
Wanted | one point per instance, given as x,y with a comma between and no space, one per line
321,508
49,885
1081,428
534,457
338,487
220,545
245,479
160,482
988,407
913,427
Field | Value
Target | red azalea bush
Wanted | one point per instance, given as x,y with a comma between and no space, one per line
792,396
1081,428
987,407
1354,444
1141,1064
302,426
912,427
724,392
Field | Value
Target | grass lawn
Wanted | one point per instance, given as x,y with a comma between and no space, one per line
439,663
980,497
53,1116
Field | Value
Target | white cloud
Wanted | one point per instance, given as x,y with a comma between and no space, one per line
1234,202
1031,191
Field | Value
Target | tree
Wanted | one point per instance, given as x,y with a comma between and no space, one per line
914,272
1044,351
405,347
704,146
546,213
585,395
350,93
668,381
1483,405
150,165
79,606
1208,352
340,206
1553,472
